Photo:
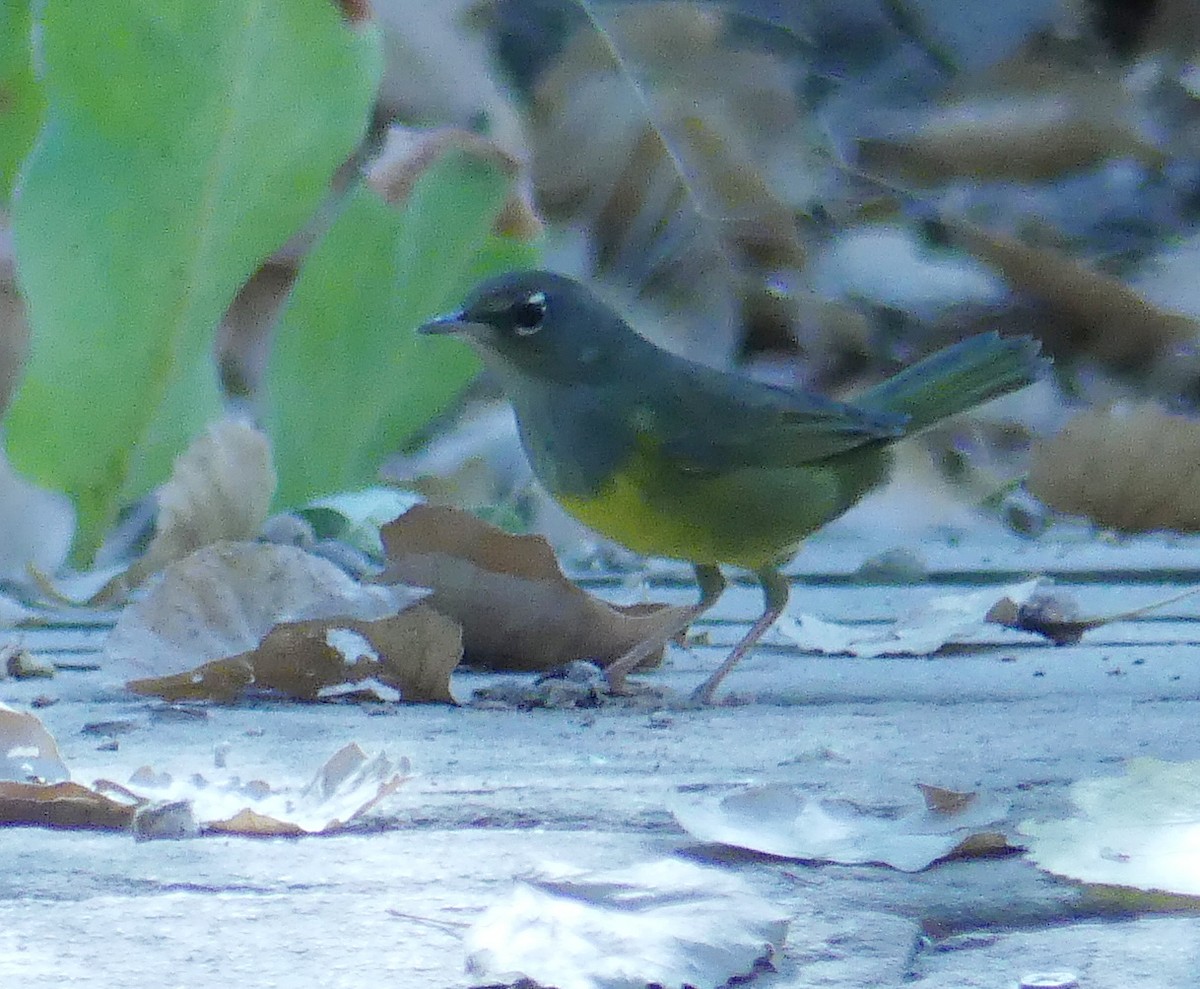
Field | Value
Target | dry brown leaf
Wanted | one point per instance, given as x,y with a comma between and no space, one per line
250,823
61,805
677,151
408,152
946,805
1132,470
1056,616
412,653
939,800
982,844
220,489
244,337
1038,115
516,609
1100,317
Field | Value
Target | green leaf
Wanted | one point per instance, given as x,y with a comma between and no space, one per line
21,99
349,380
185,141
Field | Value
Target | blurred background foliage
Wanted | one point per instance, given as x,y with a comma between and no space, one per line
255,202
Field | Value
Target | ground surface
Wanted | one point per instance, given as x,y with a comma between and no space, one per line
499,791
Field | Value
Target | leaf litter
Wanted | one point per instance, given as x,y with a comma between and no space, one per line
36,790
1035,607
667,143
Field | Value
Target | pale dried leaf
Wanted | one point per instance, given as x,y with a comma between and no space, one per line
785,821
346,789
30,752
944,619
220,489
1133,469
666,923
1140,830
222,600
1045,124
36,527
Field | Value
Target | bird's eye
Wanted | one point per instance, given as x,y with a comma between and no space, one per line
528,314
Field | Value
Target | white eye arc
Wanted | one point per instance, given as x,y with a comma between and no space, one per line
530,314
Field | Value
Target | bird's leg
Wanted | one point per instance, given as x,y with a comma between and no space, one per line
712,584
775,589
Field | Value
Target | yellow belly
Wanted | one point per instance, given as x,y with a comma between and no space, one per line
750,518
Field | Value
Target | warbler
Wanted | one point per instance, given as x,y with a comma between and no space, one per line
677,459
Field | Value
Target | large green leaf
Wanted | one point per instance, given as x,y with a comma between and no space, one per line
185,140
21,99
349,379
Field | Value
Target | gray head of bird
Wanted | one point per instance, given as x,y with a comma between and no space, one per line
543,324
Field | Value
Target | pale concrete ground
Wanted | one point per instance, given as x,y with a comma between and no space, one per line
500,791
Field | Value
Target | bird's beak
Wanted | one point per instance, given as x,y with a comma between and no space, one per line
447,324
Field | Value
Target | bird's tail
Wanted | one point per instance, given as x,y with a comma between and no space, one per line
958,378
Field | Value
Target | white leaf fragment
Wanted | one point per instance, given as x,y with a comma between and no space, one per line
347,787
668,922
783,820
1140,830
940,621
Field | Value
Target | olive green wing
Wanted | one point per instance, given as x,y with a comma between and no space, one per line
714,421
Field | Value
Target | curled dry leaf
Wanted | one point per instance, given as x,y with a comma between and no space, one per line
1099,317
412,654
1056,616
516,609
220,489
408,152
1133,470
641,134
62,805
30,752
222,600
31,758
784,821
